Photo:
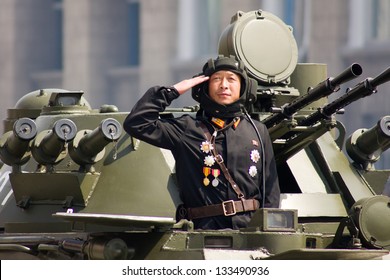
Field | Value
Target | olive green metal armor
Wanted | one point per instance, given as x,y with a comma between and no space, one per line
74,186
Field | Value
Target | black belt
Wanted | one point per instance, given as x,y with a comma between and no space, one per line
226,208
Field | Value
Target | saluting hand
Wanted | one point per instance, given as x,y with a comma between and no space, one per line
187,84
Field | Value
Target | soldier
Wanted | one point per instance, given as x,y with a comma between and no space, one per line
225,165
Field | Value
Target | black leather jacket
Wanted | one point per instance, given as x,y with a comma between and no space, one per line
239,147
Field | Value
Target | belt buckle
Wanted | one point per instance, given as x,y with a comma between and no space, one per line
218,158
225,211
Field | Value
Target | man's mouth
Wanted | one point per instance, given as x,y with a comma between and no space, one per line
224,94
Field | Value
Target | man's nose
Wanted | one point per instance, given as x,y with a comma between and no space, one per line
224,83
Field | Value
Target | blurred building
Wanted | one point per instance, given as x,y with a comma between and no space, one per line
114,50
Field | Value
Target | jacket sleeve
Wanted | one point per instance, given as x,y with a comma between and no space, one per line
144,122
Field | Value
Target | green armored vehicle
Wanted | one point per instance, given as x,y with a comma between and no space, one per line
74,186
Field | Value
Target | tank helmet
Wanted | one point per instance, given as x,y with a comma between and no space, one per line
200,93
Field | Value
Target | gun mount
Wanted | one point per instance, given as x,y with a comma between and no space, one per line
79,197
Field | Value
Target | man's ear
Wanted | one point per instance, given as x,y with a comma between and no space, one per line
251,94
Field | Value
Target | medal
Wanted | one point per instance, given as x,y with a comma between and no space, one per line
206,147
216,173
255,156
252,171
209,160
206,172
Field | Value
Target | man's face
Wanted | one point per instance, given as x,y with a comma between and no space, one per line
224,87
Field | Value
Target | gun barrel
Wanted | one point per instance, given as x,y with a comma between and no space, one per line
108,131
363,89
14,146
366,145
88,146
63,131
348,74
48,147
381,78
323,89
99,249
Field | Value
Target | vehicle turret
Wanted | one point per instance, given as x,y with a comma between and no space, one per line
32,103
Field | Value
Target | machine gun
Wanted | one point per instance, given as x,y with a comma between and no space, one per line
363,89
323,89
307,131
